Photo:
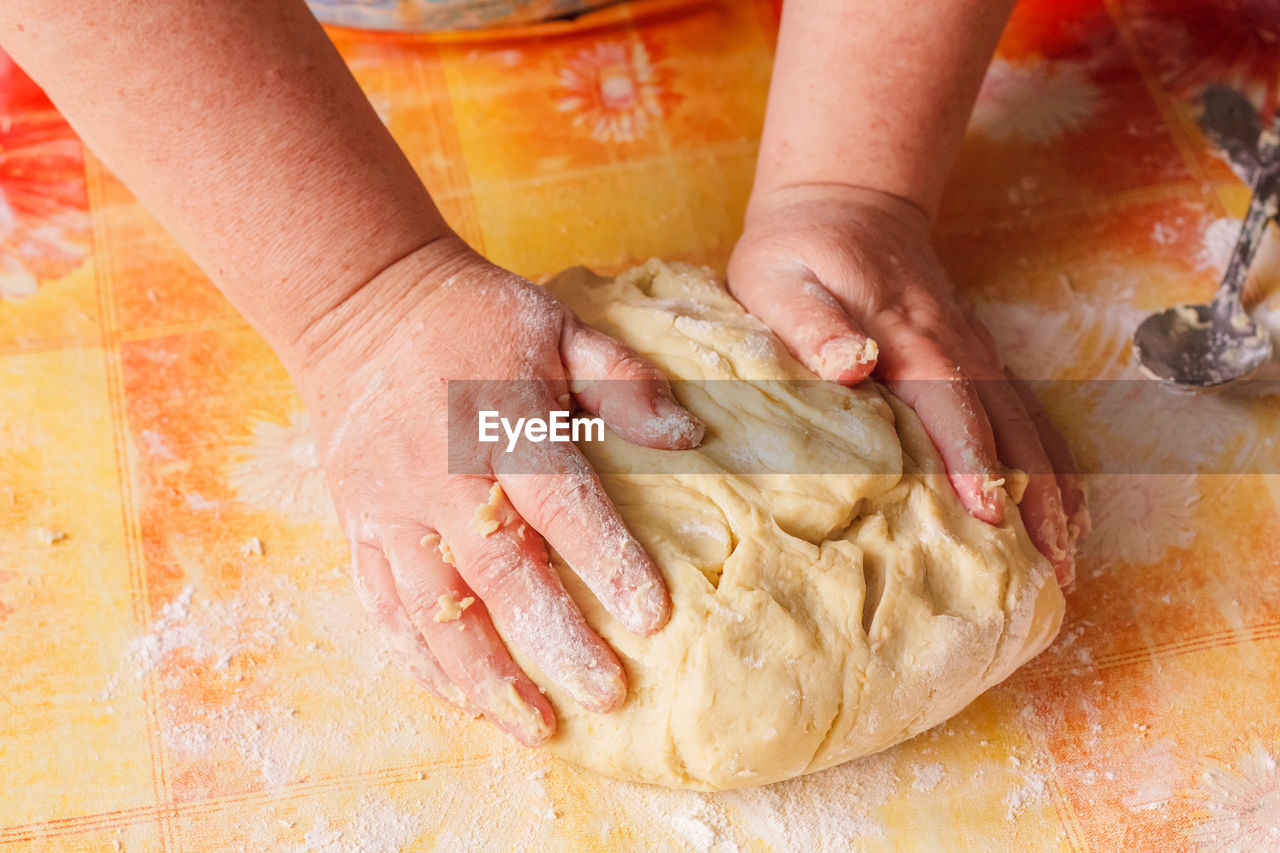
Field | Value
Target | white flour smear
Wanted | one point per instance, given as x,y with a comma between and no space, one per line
282,683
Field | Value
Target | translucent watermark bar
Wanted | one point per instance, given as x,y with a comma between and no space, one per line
785,426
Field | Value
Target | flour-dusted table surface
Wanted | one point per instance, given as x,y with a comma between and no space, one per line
183,663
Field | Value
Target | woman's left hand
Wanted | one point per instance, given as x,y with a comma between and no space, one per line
847,278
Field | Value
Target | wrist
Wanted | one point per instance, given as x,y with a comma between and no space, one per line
354,321
772,200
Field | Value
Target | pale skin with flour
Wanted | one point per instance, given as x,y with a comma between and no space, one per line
238,125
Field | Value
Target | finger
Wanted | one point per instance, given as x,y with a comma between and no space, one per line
1018,445
505,562
809,320
377,590
455,626
610,379
1074,500
948,405
565,502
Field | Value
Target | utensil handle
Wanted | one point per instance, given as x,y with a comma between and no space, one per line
1264,206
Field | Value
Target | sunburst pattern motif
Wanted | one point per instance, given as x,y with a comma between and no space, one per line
1195,45
279,470
614,90
1241,803
1074,339
1139,518
1035,102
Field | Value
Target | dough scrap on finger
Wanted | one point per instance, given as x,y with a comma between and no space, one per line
450,608
489,515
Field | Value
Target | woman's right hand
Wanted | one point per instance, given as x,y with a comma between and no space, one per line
442,558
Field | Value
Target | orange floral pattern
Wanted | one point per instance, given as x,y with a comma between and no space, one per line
1242,803
1034,101
192,644
44,223
614,90
1194,45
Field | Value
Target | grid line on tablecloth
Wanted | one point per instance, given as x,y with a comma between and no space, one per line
59,343
166,811
1068,817
1182,138
1226,638
667,159
458,191
1049,209
177,809
125,468
67,343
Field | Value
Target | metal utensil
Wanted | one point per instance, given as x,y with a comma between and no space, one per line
1199,346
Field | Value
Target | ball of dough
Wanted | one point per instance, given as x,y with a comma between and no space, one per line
822,612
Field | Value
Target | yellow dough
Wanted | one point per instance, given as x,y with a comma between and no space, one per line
817,617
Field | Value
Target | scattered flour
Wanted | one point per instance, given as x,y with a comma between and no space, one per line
246,702
927,777
705,828
1220,241
377,825
48,536
1032,791
1165,235
833,810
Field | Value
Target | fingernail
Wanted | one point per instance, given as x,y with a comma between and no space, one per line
847,352
511,710
651,608
673,422
991,497
599,689
646,607
451,694
1054,533
996,504
1073,535
1080,523
1066,573
992,493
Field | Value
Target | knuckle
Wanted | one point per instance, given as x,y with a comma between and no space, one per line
370,588
1038,469
631,366
984,361
1020,424
562,496
418,596
381,608
495,569
1045,425
918,358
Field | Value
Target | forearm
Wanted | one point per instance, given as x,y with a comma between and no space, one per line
238,125
875,95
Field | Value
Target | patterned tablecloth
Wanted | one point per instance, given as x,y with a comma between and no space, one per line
184,663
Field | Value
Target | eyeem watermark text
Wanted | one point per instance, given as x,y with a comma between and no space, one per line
557,427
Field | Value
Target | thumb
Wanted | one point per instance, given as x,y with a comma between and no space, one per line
611,380
808,319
